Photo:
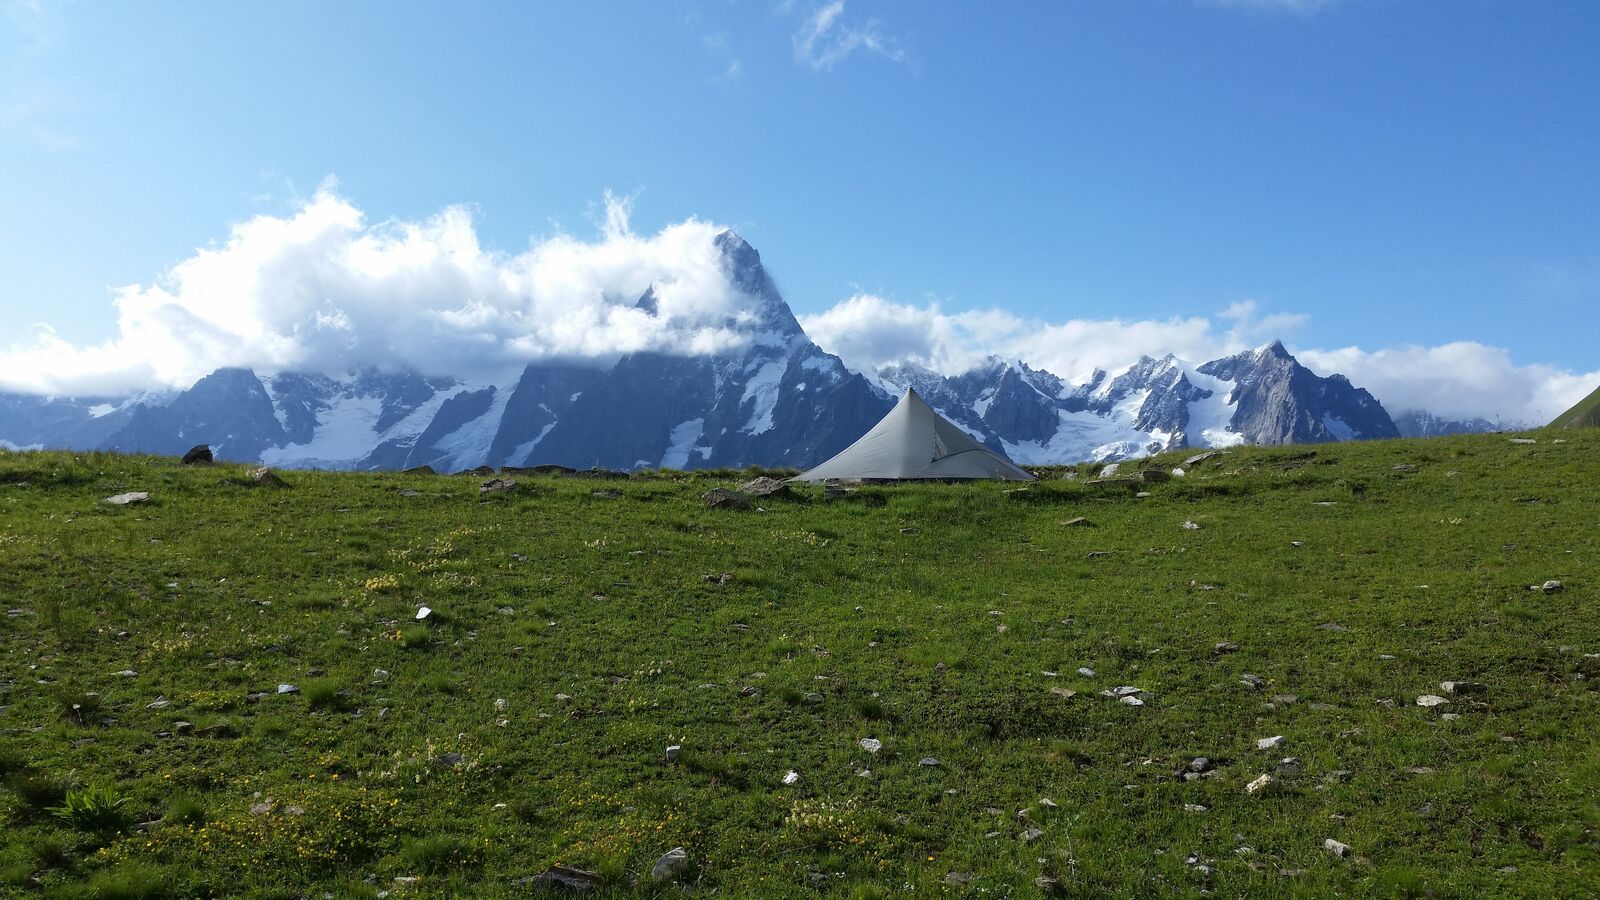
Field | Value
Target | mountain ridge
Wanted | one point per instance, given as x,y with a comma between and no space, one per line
776,400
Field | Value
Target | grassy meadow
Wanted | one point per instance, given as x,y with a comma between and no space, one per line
581,627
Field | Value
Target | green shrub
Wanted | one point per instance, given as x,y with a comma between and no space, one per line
413,636
322,693
98,809
437,854
185,810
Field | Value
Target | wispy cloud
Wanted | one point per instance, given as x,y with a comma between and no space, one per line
827,37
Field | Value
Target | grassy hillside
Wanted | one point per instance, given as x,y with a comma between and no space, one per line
576,635
1585,414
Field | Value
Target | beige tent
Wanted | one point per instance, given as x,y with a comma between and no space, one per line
915,442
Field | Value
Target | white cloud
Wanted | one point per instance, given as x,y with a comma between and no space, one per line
1458,380
869,332
323,289
827,38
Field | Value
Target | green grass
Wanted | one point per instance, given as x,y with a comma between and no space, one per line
1348,584
1585,414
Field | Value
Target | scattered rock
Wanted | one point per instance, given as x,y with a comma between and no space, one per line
1110,470
1338,776
1194,808
1224,647
718,579
497,485
1078,522
672,865
1064,693
1268,743
564,878
262,808
871,745
1130,700
198,455
288,689
673,752
791,776
1523,441
126,673
929,761
1262,785
446,760
1336,848
1431,700
1463,688
158,703
182,728
423,612
1085,671
611,494
1552,586
219,730
765,487
1190,526
1201,764
128,499
1031,835
261,476
723,498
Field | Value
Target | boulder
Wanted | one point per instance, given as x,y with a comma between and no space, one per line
497,485
129,498
672,866
765,487
723,498
198,455
265,477
564,878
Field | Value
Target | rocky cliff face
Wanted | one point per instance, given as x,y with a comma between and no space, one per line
778,400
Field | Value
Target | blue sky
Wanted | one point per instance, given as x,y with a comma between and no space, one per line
1377,173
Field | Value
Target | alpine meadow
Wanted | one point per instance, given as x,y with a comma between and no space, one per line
227,688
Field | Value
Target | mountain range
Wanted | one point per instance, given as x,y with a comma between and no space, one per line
780,400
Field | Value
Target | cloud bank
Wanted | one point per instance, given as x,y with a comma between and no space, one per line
322,289
1458,380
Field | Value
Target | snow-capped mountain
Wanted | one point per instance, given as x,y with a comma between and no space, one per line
779,400
1420,423
1261,396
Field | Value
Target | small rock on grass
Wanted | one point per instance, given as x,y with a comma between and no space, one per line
1462,688
128,499
1336,848
672,865
560,877
958,879
1431,700
1267,743
929,761
1552,586
1261,786
871,745
723,498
